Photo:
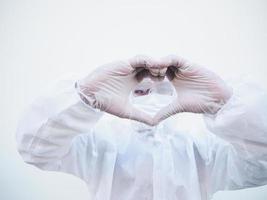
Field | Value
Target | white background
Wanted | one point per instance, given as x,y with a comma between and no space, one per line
41,40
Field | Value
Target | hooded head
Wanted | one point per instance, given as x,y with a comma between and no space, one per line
150,96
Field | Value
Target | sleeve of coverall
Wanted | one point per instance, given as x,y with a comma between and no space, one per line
46,133
242,125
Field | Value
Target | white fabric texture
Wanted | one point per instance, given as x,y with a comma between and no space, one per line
59,132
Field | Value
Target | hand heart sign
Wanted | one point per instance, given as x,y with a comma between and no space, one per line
197,89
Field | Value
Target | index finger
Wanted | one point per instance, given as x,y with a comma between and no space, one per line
172,60
143,61
147,67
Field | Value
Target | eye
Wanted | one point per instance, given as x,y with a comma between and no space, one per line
140,92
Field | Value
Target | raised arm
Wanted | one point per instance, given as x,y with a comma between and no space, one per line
242,124
237,118
46,135
49,125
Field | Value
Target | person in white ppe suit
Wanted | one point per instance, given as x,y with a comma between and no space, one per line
110,129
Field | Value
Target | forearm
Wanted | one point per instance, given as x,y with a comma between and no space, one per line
242,121
48,127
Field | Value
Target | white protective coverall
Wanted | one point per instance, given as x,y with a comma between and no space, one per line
59,132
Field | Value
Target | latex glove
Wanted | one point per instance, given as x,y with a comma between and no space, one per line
198,89
109,86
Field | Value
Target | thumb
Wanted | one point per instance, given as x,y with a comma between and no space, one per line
167,111
133,113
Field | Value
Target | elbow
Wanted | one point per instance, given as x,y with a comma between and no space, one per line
31,155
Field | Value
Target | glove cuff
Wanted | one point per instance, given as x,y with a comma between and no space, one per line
86,99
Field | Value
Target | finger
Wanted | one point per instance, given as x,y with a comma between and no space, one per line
171,63
137,115
145,73
158,71
142,61
145,65
172,60
127,111
154,71
162,72
167,111
156,78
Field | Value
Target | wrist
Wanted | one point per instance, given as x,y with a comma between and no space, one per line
87,99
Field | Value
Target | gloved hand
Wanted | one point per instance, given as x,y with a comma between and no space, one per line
109,86
198,89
